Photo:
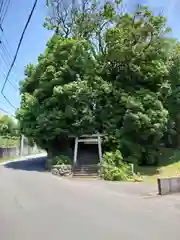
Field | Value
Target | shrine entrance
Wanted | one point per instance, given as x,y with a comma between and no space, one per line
87,150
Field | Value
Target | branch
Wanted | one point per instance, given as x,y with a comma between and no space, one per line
100,37
62,17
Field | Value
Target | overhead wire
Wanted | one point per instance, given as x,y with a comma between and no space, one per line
7,61
4,37
5,10
6,41
17,51
1,5
4,110
7,50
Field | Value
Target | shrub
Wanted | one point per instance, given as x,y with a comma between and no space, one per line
61,159
113,168
113,158
58,160
113,173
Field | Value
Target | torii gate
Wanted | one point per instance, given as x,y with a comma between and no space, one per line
94,139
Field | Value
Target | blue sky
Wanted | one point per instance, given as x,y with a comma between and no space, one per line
169,8
36,37
33,44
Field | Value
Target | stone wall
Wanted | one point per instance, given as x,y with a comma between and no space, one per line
28,150
62,170
9,152
15,151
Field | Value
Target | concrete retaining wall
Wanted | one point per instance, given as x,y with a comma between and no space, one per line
9,152
168,185
15,151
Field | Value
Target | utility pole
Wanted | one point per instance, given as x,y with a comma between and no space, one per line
21,145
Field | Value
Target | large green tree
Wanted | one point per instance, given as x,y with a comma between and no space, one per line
172,96
104,70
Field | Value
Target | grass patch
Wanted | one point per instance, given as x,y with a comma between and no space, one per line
8,158
169,166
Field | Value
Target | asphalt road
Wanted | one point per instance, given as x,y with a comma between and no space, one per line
37,205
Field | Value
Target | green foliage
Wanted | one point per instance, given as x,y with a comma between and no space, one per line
145,115
168,166
59,160
171,97
86,19
113,168
103,71
112,173
113,158
7,142
47,104
8,126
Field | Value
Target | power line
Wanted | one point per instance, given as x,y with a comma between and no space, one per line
4,52
3,110
5,38
5,10
1,5
19,45
17,51
7,100
10,50
7,49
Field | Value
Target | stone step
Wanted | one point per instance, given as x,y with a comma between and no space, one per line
85,170
84,174
87,165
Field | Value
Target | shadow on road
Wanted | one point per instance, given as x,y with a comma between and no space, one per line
31,164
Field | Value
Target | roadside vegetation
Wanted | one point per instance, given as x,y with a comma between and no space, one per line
9,132
168,166
110,71
9,135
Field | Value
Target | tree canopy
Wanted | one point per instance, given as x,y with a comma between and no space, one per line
107,71
8,126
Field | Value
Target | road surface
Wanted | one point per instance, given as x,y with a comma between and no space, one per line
37,205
